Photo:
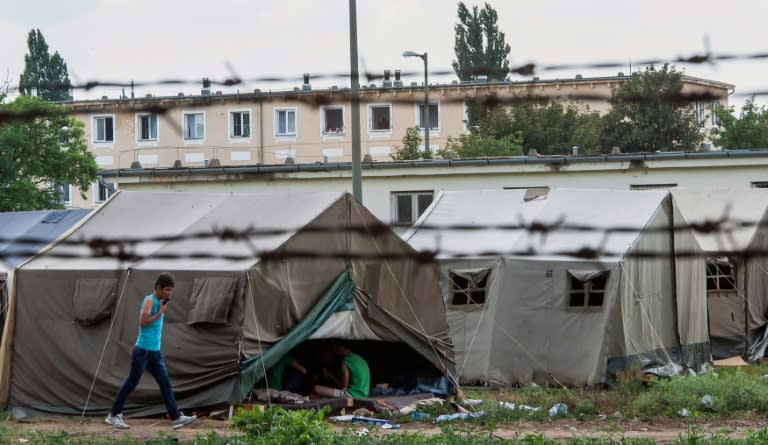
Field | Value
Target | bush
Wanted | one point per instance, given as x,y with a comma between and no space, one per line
276,426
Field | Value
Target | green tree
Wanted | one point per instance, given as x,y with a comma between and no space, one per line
549,128
42,72
645,116
555,128
41,150
410,148
480,146
480,48
748,130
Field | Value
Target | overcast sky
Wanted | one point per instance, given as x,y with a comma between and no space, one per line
148,40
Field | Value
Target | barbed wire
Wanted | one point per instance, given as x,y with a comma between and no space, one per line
123,248
526,70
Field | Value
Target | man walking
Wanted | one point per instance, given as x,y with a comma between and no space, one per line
146,354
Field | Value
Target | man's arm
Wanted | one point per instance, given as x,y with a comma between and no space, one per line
299,367
146,312
344,376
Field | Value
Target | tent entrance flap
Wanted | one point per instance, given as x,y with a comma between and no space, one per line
419,343
338,296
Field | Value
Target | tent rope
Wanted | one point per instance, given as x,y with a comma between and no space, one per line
449,374
261,350
106,342
639,301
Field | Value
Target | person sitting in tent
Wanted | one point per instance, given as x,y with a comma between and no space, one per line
287,375
355,378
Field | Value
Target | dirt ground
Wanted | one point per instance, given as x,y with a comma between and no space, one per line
661,430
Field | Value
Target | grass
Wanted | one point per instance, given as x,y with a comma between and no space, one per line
736,393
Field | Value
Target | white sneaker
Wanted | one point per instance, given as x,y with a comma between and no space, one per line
116,421
183,420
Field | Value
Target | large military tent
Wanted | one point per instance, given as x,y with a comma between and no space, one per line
737,282
316,264
539,286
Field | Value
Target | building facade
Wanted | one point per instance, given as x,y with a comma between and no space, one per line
307,125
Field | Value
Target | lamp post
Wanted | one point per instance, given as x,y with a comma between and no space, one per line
426,98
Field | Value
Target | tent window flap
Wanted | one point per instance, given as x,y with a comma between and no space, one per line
586,288
469,287
211,300
94,299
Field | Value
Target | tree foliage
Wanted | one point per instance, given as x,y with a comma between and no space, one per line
39,154
410,148
645,117
748,130
480,146
43,72
550,128
480,48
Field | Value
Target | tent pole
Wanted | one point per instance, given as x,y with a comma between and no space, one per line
673,266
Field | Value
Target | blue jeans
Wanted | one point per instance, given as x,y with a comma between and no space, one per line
153,362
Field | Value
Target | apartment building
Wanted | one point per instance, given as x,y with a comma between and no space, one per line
309,125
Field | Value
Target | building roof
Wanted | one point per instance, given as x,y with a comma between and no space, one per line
633,158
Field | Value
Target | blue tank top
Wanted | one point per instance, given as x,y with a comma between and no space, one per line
149,335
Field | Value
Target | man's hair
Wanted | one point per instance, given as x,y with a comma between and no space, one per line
165,279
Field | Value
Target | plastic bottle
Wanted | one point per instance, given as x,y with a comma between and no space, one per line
419,416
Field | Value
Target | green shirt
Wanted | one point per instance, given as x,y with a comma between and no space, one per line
275,373
359,375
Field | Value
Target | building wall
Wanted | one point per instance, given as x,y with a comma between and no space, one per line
380,185
309,143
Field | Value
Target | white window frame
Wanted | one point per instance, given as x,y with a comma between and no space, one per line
147,142
95,188
385,132
276,119
323,124
95,132
414,204
417,111
195,140
234,139
700,112
65,202
713,108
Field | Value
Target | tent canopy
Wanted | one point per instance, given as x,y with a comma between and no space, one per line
308,257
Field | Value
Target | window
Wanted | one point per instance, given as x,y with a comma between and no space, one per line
285,122
94,300
379,117
720,276
102,191
469,287
194,126
651,186
587,288
433,116
715,106
240,124
65,194
211,300
701,116
760,184
408,206
333,120
146,127
103,129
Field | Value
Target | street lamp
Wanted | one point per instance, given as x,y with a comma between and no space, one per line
426,98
